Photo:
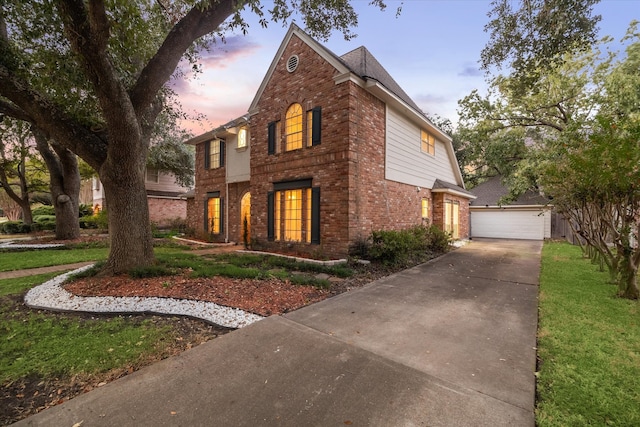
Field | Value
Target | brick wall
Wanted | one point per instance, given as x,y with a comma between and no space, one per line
349,165
438,212
327,164
162,211
207,181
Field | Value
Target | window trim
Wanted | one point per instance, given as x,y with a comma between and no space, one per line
208,152
429,142
310,215
454,226
295,121
157,175
427,201
245,133
211,196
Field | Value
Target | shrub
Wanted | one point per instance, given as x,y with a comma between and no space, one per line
102,219
43,210
398,246
44,222
85,210
440,241
15,227
178,225
88,222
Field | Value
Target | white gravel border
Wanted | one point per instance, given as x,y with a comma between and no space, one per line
11,245
52,296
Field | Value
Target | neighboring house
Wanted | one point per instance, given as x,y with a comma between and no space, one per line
528,217
165,196
331,149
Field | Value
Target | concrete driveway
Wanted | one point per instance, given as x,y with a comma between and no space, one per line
448,343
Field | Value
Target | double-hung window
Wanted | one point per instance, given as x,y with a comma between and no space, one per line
427,142
214,154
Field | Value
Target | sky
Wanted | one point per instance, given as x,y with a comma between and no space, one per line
431,49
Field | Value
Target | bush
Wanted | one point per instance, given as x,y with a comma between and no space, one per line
44,222
96,221
89,222
43,210
15,227
85,210
398,246
440,240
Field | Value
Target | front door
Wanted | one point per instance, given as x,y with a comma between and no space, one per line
245,218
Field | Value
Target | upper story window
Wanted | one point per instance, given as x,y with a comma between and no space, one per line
428,142
152,175
301,130
214,154
293,128
242,138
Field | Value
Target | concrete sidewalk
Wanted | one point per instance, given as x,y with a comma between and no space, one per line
450,342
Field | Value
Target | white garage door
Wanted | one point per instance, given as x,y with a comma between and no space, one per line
509,224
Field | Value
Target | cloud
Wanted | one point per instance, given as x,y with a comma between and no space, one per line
430,99
221,54
470,71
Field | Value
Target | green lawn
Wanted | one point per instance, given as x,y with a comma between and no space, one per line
19,260
588,345
15,286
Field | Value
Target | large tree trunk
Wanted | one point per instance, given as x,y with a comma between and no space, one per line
64,184
65,193
129,226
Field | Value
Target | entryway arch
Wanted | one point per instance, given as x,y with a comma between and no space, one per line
245,218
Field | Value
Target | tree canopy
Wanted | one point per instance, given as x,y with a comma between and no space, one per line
572,133
533,36
92,76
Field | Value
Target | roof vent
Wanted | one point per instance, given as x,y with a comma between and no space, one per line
292,63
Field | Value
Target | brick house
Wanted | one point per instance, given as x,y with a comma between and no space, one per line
330,149
165,196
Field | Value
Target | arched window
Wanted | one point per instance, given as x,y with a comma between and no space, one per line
293,127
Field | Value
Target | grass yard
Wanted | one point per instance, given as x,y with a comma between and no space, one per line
47,357
588,345
19,260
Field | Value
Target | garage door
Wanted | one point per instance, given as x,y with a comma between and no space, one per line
508,224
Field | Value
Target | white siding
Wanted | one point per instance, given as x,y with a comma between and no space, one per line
166,182
530,224
405,161
237,161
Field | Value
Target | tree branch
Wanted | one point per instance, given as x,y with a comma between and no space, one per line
88,33
9,109
198,22
52,120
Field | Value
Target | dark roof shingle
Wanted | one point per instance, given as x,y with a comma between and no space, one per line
491,191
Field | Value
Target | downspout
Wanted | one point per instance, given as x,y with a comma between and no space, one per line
226,192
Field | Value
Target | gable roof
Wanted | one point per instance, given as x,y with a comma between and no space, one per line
491,191
361,67
365,65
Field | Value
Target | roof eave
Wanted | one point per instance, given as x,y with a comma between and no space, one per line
454,192
512,207
223,131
